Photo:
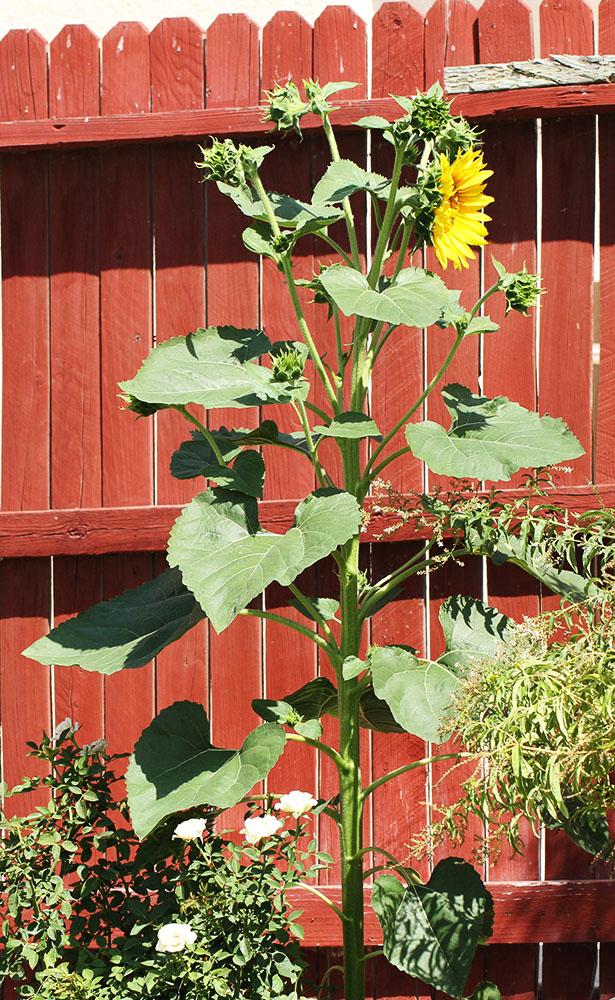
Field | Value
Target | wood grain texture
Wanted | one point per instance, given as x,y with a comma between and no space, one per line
25,693
559,913
398,53
566,325
509,355
146,529
235,656
178,83
604,460
76,132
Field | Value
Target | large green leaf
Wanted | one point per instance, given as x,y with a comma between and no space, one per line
344,177
416,299
213,368
472,631
431,931
227,559
490,438
176,767
418,692
125,632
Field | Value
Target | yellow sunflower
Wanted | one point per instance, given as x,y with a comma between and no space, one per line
458,222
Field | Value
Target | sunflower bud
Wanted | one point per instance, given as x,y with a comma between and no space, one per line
141,408
521,289
288,362
231,164
222,162
285,107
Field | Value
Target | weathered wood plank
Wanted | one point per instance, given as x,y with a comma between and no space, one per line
574,911
145,529
67,133
561,70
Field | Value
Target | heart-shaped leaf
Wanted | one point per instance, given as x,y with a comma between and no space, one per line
418,692
227,559
490,439
431,931
213,368
124,633
472,631
416,299
176,767
311,701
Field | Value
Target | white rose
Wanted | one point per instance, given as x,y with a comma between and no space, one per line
259,827
98,746
175,937
296,803
66,726
190,829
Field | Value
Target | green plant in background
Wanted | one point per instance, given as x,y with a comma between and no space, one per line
188,914
221,558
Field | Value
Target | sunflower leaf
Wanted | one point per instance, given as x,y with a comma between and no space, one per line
416,299
490,439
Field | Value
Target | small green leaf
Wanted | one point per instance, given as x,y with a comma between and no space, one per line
349,425
311,701
490,439
486,991
352,667
416,299
312,729
216,367
481,324
124,633
227,559
372,121
418,692
324,608
176,767
192,456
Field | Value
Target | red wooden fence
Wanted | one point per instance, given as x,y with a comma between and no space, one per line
109,244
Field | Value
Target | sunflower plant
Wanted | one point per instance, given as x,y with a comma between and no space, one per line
221,558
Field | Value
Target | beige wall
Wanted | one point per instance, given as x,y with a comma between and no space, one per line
101,15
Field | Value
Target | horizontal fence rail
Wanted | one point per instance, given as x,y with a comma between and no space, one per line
110,245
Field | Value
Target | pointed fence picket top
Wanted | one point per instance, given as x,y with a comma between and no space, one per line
106,251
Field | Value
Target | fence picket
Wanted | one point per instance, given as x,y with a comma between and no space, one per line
604,464
232,297
25,706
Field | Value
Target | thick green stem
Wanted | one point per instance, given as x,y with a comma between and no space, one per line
351,806
410,767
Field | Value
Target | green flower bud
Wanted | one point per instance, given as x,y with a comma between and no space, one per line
288,362
222,161
141,408
285,107
521,289
231,164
